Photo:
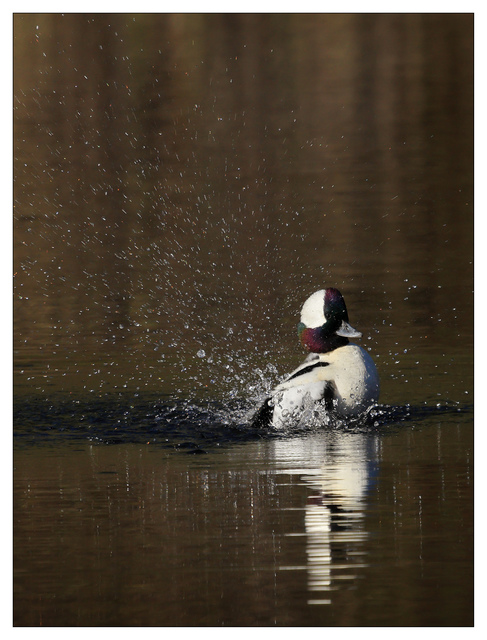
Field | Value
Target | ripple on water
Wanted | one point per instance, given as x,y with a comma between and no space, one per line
182,425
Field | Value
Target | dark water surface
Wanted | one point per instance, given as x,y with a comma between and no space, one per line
182,184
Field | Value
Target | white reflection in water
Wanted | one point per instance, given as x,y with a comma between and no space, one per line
334,516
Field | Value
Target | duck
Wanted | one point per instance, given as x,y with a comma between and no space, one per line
336,374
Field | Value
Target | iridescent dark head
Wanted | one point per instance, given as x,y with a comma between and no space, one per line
324,322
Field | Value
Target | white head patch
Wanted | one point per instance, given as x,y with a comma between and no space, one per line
312,313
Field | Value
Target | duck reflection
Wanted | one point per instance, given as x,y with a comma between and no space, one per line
335,511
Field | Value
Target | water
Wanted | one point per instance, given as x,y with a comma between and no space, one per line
182,184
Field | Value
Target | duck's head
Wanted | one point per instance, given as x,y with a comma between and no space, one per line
324,322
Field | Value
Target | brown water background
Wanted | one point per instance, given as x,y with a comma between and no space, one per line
182,183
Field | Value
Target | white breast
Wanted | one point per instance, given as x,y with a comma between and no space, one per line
356,379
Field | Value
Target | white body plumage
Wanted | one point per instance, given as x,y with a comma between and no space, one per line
345,378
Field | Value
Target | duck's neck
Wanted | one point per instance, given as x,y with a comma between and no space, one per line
317,341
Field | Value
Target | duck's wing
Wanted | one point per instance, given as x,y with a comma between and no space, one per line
309,372
262,418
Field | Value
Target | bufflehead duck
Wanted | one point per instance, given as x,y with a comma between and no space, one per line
336,373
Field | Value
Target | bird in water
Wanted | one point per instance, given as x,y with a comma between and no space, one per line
337,374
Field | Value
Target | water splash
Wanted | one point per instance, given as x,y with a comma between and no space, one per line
188,426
